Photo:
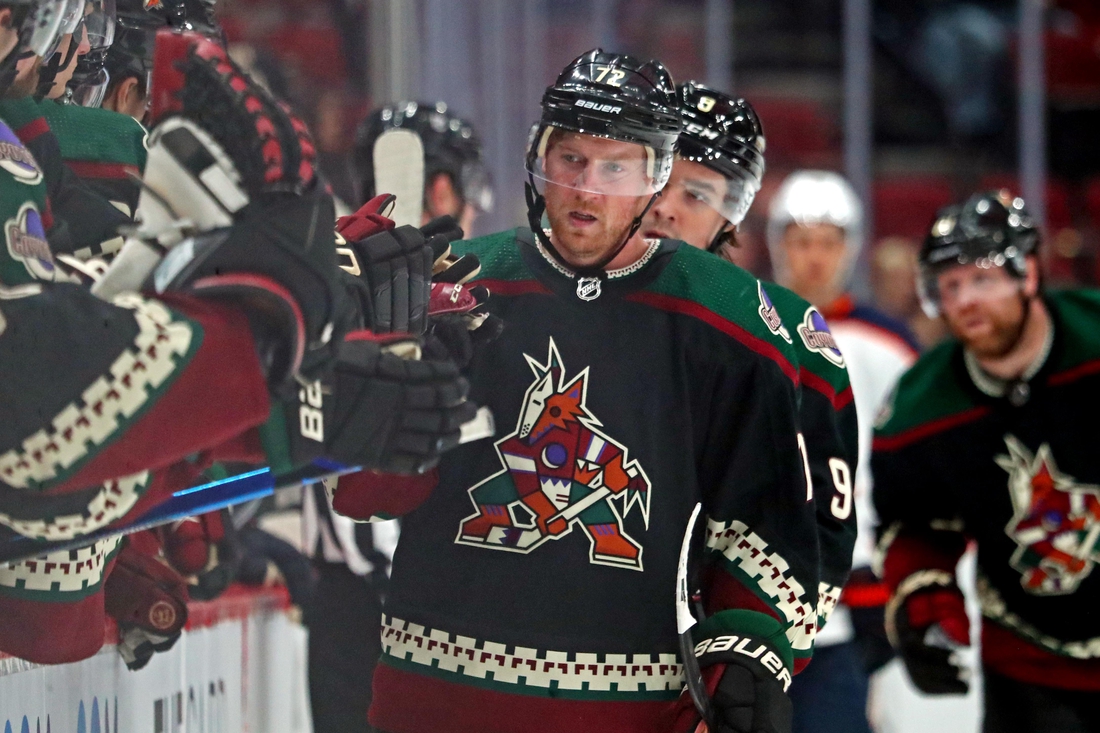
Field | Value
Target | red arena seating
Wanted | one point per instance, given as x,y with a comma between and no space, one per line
905,206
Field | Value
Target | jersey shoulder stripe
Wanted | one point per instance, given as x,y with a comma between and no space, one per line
721,294
928,399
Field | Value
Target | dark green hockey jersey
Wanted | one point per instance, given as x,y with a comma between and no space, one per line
105,149
534,589
955,459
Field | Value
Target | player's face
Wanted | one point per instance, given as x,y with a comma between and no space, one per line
815,255
983,307
587,225
65,74
686,209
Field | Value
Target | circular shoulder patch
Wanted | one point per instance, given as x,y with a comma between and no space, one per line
16,159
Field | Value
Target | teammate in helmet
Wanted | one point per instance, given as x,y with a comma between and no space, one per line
129,60
991,438
626,389
718,171
455,180
815,235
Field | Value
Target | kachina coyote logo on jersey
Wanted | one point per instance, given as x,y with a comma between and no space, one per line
560,472
1055,522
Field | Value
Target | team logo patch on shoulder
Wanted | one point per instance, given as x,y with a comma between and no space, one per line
1055,521
26,240
770,315
16,159
818,338
560,473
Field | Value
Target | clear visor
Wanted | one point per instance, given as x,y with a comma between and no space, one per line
598,165
99,23
74,12
45,24
91,92
957,286
730,197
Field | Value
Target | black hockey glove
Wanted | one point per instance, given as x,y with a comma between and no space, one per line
394,413
746,660
394,265
927,624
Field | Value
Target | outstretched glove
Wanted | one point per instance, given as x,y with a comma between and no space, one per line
231,208
148,600
395,267
746,662
392,412
927,624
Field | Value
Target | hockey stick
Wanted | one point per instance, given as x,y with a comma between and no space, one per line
399,170
685,621
216,495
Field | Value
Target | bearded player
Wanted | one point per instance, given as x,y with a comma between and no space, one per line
991,438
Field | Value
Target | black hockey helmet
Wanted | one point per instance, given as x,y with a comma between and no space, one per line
991,229
616,97
135,38
451,146
724,134
610,96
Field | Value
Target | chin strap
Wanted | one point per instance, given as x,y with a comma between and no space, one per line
536,206
48,73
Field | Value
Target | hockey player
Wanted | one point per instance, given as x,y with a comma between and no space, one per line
105,148
353,560
718,170
129,60
814,239
990,437
455,181
531,589
80,219
104,401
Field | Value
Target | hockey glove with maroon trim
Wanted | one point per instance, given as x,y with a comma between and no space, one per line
148,600
746,662
393,413
927,624
459,324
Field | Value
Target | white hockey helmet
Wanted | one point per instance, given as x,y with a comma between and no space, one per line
812,197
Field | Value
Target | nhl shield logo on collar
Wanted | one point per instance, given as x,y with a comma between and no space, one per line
588,288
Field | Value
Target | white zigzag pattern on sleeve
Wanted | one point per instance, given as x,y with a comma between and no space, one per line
112,501
136,371
750,553
63,571
828,596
